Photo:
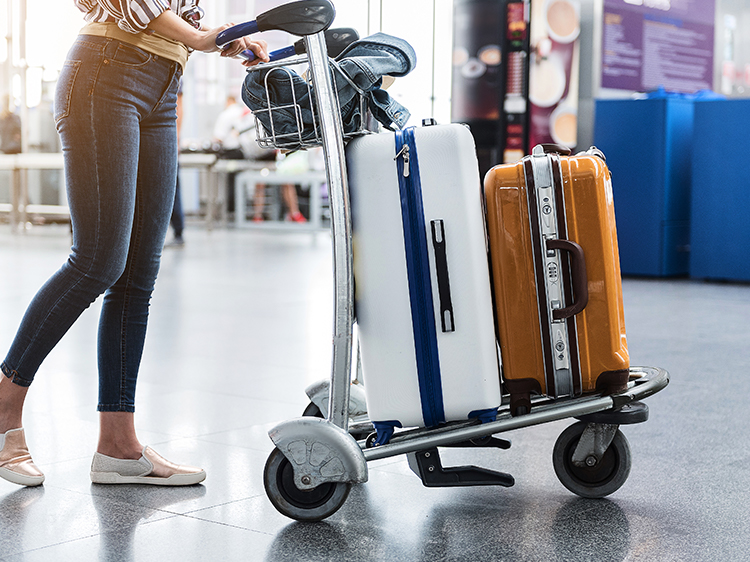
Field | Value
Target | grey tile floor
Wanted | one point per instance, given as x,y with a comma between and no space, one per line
240,325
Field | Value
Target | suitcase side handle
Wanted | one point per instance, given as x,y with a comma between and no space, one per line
441,271
578,275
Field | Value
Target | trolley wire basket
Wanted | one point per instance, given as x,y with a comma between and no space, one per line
287,117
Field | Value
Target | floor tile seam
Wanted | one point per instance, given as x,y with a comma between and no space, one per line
162,510
394,470
52,486
208,437
230,502
240,428
41,548
395,462
121,500
77,539
45,464
203,520
241,447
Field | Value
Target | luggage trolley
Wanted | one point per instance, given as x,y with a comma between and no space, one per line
317,459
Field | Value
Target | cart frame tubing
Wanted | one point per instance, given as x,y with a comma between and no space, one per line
341,228
658,379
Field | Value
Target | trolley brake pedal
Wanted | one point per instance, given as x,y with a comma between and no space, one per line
485,442
426,464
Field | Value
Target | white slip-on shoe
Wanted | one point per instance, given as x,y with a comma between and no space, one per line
151,468
15,461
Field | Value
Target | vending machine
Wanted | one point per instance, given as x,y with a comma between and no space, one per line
490,76
515,75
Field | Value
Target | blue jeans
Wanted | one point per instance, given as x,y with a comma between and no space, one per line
115,110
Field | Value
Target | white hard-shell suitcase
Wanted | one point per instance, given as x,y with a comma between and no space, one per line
422,286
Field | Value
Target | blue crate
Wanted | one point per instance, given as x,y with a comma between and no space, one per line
647,143
720,226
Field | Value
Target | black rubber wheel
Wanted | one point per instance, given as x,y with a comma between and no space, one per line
313,411
302,505
370,440
598,481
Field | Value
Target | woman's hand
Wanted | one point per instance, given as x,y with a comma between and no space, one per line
172,26
207,44
259,48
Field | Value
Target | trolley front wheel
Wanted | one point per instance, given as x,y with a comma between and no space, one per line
302,505
599,480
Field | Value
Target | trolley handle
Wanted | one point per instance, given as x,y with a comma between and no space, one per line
304,17
337,40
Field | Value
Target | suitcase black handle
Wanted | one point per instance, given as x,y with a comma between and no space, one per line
579,278
441,270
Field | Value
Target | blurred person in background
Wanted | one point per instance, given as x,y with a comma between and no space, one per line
10,129
177,220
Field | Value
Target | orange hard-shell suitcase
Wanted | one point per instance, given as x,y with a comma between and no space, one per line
556,276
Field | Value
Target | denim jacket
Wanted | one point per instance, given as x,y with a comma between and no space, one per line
363,63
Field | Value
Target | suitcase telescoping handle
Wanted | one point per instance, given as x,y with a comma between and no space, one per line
551,148
579,278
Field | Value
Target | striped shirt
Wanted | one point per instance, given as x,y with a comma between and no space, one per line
131,15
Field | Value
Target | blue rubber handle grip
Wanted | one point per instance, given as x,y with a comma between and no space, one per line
278,54
235,32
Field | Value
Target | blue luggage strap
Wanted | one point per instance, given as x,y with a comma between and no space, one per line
420,284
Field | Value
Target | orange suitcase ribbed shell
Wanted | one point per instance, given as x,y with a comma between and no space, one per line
601,354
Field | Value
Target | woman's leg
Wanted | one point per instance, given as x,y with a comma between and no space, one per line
100,153
259,200
124,316
12,397
177,219
120,457
117,436
101,212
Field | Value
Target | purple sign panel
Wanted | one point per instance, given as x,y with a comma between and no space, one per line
652,43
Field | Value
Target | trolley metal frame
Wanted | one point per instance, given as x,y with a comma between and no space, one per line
319,453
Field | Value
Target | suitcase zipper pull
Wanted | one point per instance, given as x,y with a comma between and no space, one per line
405,153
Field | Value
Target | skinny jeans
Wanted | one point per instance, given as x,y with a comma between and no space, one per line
115,111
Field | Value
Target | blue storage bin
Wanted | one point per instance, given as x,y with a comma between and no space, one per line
720,226
647,143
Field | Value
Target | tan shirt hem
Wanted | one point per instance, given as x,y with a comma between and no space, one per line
151,42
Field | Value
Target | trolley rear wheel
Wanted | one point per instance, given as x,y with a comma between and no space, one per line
599,480
302,505
314,412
